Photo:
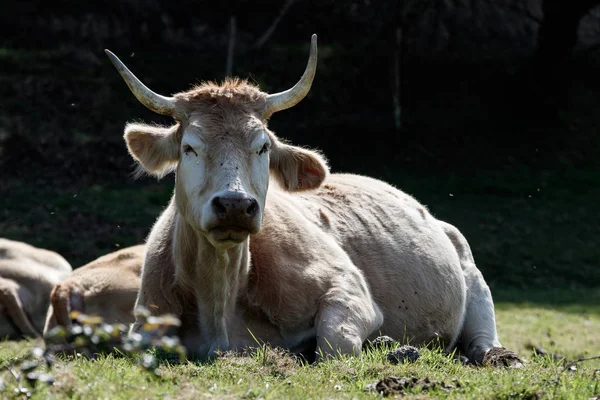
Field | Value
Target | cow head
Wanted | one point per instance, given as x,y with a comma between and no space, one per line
222,151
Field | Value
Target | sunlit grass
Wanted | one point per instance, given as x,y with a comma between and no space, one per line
272,374
559,327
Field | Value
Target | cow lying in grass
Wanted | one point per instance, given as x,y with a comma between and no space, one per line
27,275
106,287
331,258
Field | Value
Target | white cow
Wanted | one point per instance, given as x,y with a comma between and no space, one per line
27,275
333,258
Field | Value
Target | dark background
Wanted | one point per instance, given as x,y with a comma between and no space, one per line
499,129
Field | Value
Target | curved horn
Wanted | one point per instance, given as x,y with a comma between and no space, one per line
291,97
154,101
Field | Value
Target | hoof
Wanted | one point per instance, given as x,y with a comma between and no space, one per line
501,357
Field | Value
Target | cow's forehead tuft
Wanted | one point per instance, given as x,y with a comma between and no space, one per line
231,108
231,92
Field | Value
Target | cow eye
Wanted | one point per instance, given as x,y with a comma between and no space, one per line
264,149
187,149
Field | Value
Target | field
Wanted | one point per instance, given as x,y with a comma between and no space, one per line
531,218
565,327
540,303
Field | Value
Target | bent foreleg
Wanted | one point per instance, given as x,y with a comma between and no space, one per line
344,321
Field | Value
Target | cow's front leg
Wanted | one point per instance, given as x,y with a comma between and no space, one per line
200,349
346,317
151,298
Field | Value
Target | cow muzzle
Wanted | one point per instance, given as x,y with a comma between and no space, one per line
235,215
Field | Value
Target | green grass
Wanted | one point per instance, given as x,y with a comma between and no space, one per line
269,374
510,232
554,306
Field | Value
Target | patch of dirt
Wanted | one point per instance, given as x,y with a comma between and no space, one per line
501,357
333,191
394,385
403,354
380,342
280,362
274,361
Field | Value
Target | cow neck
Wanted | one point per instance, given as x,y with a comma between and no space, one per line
215,276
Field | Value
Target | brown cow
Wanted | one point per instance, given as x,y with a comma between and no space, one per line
106,287
335,259
27,275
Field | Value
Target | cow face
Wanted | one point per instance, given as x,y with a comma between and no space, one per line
223,176
222,151
224,156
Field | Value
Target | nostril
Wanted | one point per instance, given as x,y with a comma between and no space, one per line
252,208
218,207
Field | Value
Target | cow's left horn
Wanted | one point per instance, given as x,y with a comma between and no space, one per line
291,97
154,101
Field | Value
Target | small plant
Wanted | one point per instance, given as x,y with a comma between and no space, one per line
89,336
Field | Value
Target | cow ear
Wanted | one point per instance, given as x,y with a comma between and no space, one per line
297,168
155,148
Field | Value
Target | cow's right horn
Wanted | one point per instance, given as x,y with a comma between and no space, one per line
291,97
154,101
